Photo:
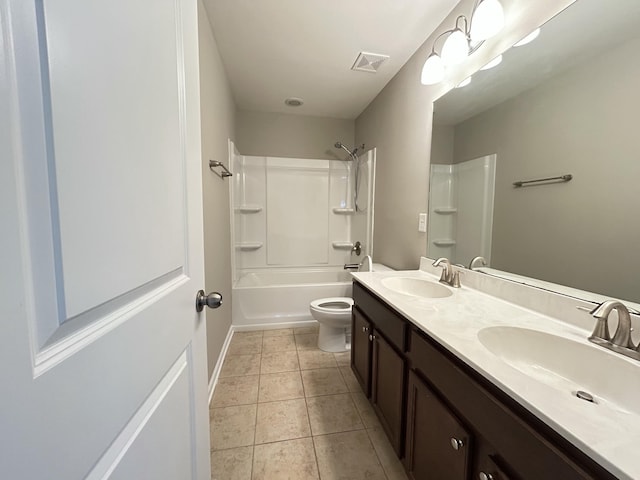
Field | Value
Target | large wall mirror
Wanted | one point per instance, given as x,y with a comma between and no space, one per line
565,104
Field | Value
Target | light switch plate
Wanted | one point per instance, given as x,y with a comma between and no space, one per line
422,222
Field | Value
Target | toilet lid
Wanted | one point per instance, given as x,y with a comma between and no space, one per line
333,304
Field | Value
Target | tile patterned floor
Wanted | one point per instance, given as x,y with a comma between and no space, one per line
283,409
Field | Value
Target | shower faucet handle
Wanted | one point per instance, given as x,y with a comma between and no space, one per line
357,248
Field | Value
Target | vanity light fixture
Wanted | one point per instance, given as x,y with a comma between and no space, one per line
528,39
456,47
465,38
433,70
487,19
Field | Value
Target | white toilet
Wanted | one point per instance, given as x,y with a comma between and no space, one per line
334,316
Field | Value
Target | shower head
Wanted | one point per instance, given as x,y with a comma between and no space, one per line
351,153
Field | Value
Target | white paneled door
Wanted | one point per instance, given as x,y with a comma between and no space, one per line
102,354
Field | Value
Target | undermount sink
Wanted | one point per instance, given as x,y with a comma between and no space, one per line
567,365
416,287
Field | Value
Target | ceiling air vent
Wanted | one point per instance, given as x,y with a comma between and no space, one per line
369,62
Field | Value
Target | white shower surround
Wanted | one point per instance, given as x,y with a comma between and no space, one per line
461,209
294,225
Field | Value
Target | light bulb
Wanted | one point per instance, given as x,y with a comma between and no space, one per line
528,39
455,48
493,63
433,70
487,20
464,83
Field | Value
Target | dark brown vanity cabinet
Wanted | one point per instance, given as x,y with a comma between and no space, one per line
361,347
387,388
444,419
378,361
438,445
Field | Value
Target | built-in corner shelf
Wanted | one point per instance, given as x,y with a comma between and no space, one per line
342,245
249,208
445,210
344,211
444,242
248,246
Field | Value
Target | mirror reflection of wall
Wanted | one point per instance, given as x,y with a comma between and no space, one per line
579,117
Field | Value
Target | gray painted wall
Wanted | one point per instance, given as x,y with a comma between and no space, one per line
295,136
582,122
217,109
442,143
398,122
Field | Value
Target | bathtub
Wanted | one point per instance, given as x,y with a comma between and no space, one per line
281,298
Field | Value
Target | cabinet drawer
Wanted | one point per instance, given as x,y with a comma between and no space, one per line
387,321
484,408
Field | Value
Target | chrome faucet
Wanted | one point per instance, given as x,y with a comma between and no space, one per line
366,265
449,276
477,260
621,341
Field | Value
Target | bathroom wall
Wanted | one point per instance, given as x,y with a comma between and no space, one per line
398,122
218,119
442,145
295,136
583,219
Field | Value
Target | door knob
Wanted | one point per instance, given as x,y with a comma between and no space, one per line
213,300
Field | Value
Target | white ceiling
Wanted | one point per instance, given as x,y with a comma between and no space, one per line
274,49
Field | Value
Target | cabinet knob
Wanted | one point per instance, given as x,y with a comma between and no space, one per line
371,337
456,443
485,476
365,329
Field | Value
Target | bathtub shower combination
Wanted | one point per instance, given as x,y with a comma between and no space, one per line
295,223
283,297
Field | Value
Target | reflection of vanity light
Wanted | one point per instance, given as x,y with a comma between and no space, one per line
528,39
464,83
493,63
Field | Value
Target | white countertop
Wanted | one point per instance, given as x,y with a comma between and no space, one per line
608,435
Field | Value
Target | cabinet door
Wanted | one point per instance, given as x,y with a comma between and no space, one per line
387,388
438,445
361,330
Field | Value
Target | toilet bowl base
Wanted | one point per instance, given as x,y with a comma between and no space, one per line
334,339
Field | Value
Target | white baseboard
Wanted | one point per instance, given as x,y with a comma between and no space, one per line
249,328
274,325
216,371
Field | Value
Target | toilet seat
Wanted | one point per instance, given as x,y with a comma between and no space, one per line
332,305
